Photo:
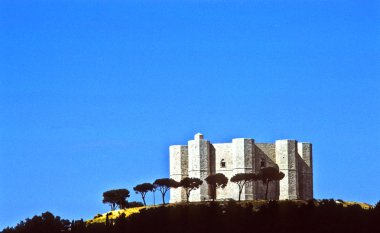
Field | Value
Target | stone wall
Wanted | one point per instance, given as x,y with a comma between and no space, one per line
223,153
243,153
178,170
199,165
286,159
269,149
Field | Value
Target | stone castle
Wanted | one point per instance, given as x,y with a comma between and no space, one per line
200,158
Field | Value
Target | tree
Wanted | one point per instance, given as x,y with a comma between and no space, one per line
268,174
44,223
241,179
134,204
116,197
164,185
143,189
190,184
217,180
154,194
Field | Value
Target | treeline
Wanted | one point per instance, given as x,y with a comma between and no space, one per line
222,217
118,197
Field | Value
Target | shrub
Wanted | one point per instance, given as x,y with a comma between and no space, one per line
133,204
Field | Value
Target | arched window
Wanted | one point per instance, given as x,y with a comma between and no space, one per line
222,163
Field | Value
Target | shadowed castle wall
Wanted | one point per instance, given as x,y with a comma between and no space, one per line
265,157
305,171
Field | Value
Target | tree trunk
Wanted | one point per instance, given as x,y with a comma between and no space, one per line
163,198
144,201
154,198
240,191
266,192
213,193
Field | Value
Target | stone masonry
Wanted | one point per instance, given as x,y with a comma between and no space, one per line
200,158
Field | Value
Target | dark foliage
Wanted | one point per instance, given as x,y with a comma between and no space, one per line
116,197
215,181
269,174
223,217
189,184
143,189
134,204
241,180
46,223
163,185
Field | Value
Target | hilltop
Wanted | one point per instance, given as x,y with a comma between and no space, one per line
220,217
112,215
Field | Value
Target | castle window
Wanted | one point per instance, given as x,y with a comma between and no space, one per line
222,163
262,163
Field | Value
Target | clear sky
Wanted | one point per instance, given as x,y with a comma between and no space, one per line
94,92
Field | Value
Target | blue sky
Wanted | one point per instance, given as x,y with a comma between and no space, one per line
92,93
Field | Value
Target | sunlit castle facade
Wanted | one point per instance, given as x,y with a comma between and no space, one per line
200,158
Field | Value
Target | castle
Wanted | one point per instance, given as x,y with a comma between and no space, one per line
200,158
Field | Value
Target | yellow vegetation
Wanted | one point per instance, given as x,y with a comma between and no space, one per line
363,205
101,218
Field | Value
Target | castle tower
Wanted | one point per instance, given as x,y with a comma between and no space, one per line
286,159
178,170
199,165
305,170
243,152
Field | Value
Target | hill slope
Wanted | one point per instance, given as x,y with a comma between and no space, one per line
219,217
112,215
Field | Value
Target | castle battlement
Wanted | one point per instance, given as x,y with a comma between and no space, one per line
200,158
